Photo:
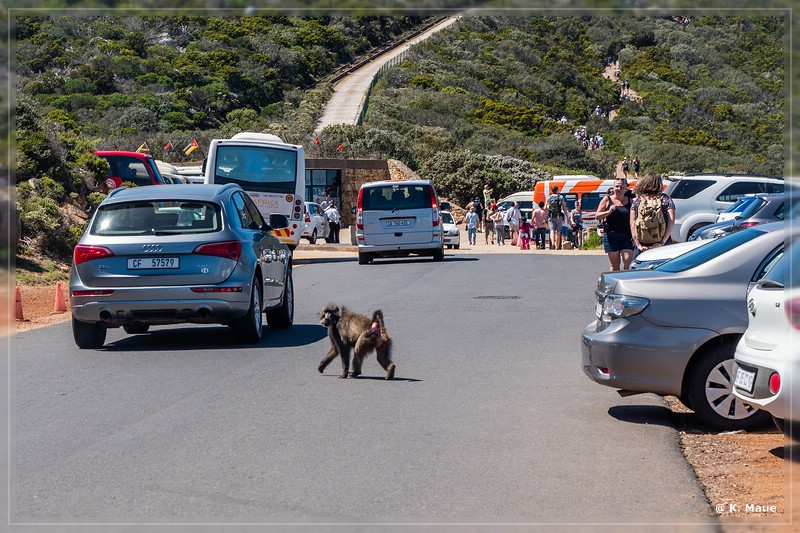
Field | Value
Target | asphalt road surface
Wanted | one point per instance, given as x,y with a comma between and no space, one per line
489,421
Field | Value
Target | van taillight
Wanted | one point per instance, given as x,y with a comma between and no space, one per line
83,253
434,207
228,249
359,214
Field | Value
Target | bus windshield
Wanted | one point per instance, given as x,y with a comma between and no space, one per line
257,168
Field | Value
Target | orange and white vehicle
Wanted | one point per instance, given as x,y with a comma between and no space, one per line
586,188
272,172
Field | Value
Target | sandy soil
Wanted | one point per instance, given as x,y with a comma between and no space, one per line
735,469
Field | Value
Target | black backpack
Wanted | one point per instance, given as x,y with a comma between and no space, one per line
554,206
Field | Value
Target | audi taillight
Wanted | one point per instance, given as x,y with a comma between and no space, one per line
83,253
228,249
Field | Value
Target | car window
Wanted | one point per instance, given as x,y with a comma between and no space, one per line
688,188
396,196
773,268
753,208
138,218
447,218
734,191
245,215
700,255
256,219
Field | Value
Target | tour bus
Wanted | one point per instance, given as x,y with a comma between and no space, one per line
586,188
270,170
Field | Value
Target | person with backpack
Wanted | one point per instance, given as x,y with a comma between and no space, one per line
652,215
614,212
557,213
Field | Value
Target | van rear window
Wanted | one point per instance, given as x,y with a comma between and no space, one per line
688,188
388,197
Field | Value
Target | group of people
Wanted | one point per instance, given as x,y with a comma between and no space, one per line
593,142
552,215
626,167
635,221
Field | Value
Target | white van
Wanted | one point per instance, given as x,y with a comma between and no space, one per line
398,218
525,199
700,198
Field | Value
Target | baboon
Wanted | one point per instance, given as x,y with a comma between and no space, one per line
352,331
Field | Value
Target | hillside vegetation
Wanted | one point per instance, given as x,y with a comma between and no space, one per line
477,102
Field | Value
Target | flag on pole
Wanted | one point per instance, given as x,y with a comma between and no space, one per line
168,146
143,147
191,147
340,147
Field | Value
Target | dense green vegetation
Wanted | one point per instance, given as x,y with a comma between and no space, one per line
477,102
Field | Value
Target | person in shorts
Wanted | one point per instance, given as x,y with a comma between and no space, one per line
614,210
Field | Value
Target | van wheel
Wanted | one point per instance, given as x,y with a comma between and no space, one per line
438,254
88,335
364,258
710,391
456,246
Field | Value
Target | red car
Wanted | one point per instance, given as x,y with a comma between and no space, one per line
134,167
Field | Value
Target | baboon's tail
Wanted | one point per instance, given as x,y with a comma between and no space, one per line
377,316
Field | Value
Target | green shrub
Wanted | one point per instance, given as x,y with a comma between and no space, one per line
593,242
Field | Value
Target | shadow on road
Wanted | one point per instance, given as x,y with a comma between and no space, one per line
664,416
788,452
447,259
203,338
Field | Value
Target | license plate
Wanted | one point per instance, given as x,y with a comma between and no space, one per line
143,263
744,379
598,309
398,223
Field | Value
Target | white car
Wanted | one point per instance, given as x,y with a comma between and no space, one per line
767,362
316,223
661,254
452,235
700,198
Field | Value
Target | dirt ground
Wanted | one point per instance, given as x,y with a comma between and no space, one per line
735,469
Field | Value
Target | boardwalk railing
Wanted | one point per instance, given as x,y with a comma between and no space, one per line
381,71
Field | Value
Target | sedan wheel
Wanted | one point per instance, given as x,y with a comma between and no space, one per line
313,238
283,317
711,393
248,328
88,335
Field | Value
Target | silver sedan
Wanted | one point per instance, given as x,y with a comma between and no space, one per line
177,254
673,330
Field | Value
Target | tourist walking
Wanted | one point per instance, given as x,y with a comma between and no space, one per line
524,234
614,210
556,212
332,214
652,215
488,222
540,226
513,217
472,225
500,226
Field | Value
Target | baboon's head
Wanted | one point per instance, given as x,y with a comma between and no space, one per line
329,316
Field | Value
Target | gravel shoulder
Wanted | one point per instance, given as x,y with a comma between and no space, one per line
736,470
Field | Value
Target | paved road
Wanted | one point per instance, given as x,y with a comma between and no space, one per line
345,104
489,421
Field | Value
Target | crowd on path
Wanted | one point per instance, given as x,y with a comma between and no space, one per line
485,216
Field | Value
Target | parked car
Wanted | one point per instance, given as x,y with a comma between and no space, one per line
316,224
653,257
398,218
699,198
736,209
134,167
673,330
170,173
140,263
452,235
764,208
766,366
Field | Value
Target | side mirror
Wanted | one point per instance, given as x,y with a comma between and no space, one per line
278,221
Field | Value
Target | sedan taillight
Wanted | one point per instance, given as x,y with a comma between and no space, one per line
83,253
229,249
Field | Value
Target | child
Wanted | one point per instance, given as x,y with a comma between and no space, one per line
524,234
